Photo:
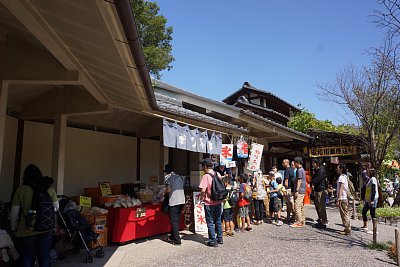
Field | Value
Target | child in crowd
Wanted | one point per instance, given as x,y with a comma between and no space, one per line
281,193
275,205
244,201
227,214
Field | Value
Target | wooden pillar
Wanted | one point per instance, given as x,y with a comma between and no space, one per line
374,230
138,160
18,154
3,114
58,158
397,240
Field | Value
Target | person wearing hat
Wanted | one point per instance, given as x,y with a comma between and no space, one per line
174,184
212,208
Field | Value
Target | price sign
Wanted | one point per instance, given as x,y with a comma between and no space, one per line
140,212
85,201
105,188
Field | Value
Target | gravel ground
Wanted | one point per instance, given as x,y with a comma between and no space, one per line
266,245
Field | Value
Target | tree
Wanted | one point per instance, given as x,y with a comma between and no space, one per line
306,120
372,94
155,36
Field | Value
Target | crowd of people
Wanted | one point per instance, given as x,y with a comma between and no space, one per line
257,198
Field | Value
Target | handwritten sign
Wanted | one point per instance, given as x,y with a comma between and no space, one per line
255,157
85,201
332,151
230,164
105,188
200,224
188,210
140,212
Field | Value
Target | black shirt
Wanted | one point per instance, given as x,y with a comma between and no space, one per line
318,180
289,174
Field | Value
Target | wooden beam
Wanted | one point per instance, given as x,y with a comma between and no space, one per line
33,20
26,63
18,154
3,114
75,101
58,156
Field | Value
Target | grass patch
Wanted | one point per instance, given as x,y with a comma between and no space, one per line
380,245
388,212
383,212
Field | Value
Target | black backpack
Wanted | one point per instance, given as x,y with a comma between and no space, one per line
218,189
233,198
41,216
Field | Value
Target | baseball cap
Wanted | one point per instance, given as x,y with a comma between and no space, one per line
207,162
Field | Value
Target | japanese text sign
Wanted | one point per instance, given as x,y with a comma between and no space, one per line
331,151
226,154
200,224
255,157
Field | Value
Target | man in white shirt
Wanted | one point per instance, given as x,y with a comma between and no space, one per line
342,202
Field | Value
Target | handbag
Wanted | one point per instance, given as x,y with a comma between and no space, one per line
165,204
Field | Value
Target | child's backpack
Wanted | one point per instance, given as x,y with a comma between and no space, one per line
248,193
351,193
233,198
218,189
41,216
280,193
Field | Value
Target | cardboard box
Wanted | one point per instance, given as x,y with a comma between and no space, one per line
102,239
108,199
96,219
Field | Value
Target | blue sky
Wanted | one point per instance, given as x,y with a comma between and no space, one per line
285,47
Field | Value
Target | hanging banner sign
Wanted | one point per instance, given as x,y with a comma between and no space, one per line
242,149
200,224
332,151
226,154
255,157
230,164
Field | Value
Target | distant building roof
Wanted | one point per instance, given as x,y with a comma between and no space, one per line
247,87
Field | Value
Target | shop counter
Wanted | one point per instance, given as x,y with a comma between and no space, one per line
127,224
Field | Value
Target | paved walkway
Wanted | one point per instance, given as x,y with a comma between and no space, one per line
266,245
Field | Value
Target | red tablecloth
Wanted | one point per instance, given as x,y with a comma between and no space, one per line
123,225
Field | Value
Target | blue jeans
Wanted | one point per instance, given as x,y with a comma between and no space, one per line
213,219
33,246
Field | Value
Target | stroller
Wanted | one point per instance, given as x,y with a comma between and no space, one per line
78,228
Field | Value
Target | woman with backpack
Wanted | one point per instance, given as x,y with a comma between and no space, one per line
34,202
370,196
259,195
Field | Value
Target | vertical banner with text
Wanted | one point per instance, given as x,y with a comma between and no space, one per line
200,224
255,157
226,154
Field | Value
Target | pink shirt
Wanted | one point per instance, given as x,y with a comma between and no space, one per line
205,184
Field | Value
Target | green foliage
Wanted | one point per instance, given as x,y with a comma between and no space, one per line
380,245
305,120
386,212
155,36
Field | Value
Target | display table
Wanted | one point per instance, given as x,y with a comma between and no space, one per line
124,226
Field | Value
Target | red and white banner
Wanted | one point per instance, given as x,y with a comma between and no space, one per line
242,149
226,154
200,224
255,157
